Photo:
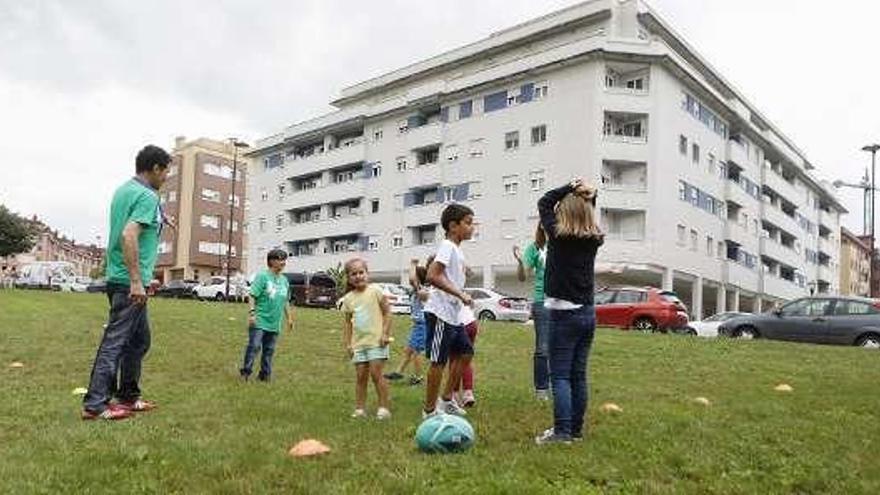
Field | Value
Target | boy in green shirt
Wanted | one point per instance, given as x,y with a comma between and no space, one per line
268,303
132,247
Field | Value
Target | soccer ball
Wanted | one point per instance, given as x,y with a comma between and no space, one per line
445,433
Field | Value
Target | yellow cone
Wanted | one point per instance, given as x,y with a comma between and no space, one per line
80,391
610,407
308,447
17,364
783,387
702,400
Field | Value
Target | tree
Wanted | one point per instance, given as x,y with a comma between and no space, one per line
17,234
99,271
338,274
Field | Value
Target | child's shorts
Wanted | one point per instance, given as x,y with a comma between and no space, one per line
417,336
370,354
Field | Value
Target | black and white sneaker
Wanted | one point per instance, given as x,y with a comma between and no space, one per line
550,437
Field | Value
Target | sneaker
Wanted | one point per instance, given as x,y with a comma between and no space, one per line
415,380
393,376
542,394
433,412
138,405
451,407
468,399
549,437
359,413
577,437
383,413
111,413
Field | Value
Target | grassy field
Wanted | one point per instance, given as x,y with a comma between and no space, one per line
213,434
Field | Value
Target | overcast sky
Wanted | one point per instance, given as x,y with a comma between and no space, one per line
84,84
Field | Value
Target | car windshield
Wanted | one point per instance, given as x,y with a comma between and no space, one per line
603,297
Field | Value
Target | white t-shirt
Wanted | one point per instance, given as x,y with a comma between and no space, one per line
466,315
441,304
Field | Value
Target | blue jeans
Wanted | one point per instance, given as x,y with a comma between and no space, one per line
542,346
117,367
571,336
259,339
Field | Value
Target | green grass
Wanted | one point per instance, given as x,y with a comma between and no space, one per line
213,434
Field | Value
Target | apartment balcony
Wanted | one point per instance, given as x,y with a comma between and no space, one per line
318,162
326,194
781,288
733,191
423,136
736,153
826,273
624,197
424,175
827,246
424,215
828,221
775,216
625,148
341,226
778,252
781,186
741,276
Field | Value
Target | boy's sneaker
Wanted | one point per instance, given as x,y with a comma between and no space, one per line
434,412
383,413
111,413
468,399
137,405
451,407
359,413
415,380
550,437
542,394
393,376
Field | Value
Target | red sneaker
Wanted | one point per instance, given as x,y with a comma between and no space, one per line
138,405
111,413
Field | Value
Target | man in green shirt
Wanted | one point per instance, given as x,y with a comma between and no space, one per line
534,257
132,247
270,293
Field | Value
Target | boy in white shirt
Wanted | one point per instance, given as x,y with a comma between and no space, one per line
446,338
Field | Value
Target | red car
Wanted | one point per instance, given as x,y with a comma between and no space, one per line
641,308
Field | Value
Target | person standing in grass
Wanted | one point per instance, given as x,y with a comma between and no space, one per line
132,247
447,340
416,345
269,312
568,216
534,258
366,333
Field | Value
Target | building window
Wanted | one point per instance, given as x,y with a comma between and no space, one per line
710,245
425,235
682,145
172,196
281,189
216,170
262,225
343,176
477,148
465,109
428,156
511,140
172,170
374,206
682,232
720,252
695,152
376,170
397,241
210,221
495,101
539,134
279,221
373,243
508,228
232,200
511,184
377,135
710,159
264,194
212,247
211,195
401,164
541,90
694,238
536,180
403,126
165,247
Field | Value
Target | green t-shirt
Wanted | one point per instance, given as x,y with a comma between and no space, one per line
535,258
364,310
270,293
133,202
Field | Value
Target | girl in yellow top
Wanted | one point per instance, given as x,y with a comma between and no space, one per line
366,331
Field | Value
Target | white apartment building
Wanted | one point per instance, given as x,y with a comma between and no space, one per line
698,191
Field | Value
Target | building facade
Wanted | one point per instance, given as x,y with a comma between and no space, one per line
197,196
51,245
698,191
855,264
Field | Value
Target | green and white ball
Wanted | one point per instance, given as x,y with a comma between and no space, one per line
445,433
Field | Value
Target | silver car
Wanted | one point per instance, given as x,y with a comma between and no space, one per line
490,304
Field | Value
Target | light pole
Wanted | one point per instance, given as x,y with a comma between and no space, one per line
236,144
872,148
865,186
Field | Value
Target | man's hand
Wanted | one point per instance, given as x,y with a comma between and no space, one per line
466,299
137,295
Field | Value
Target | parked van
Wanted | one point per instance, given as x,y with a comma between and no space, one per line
312,289
52,275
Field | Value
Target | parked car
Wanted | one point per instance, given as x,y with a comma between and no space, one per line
709,326
214,289
312,289
45,275
80,284
490,304
177,289
641,308
397,296
99,285
817,320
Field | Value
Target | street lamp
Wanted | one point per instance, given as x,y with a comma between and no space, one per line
236,144
865,186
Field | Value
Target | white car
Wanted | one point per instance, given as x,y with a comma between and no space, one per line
709,326
215,288
490,304
397,296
